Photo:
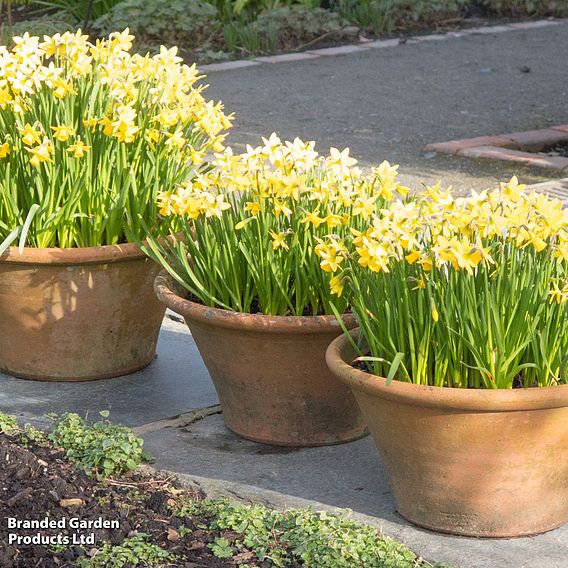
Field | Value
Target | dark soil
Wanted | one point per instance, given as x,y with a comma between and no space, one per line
254,307
21,12
35,480
560,149
365,366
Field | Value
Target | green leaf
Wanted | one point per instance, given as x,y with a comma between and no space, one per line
394,366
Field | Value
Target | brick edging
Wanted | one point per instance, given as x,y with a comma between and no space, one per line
376,44
514,147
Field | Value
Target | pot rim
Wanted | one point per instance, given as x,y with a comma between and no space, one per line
102,254
164,287
480,400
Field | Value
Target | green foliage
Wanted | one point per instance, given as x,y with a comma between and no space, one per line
28,435
8,424
386,16
133,551
32,436
248,38
101,448
298,25
302,536
57,548
520,8
282,27
78,9
8,6
183,22
44,25
221,548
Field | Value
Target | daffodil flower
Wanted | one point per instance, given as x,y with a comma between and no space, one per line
79,149
62,133
279,241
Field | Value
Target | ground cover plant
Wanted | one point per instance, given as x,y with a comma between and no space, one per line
467,292
159,522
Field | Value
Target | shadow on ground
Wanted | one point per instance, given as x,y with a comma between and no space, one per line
176,381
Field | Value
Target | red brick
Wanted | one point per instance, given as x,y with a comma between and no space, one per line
536,140
493,153
454,146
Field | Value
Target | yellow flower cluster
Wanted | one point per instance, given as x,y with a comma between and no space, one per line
121,95
434,229
290,184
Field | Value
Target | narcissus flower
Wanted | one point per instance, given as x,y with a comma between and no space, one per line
142,118
62,133
79,149
42,153
279,241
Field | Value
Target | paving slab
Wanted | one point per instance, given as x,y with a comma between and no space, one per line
390,103
557,188
176,381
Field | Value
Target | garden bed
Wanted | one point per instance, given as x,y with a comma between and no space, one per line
210,30
138,519
38,482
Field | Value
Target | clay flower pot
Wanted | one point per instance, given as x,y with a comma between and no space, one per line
77,314
467,461
270,373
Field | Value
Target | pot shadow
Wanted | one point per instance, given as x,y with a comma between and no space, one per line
344,475
176,381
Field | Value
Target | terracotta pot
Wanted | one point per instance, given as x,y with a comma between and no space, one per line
485,463
77,314
270,373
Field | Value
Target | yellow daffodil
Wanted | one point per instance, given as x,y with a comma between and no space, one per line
340,162
281,208
279,241
62,133
42,153
435,315
332,254
30,134
79,149
313,218
253,207
175,140
336,285
90,123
